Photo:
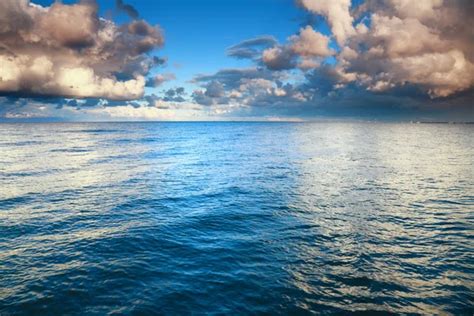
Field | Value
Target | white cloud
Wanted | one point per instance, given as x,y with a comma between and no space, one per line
310,43
302,51
67,50
338,16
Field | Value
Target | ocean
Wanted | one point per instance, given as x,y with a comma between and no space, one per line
236,218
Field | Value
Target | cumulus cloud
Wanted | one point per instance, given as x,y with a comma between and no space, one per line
411,42
397,43
338,16
175,95
303,49
391,55
377,56
241,88
68,50
310,43
279,58
213,93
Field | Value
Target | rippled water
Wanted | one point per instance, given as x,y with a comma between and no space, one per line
246,218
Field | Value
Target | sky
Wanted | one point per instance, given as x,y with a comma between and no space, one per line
187,60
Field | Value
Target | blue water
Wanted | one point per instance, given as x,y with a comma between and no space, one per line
236,218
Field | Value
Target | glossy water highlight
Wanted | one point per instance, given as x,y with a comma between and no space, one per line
248,218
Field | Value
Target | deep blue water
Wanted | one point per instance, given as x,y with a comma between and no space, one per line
236,218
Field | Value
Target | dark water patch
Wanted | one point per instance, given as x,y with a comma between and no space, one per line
22,174
21,143
93,131
71,150
445,201
9,203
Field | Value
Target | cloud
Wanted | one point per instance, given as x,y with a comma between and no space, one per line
409,43
69,51
175,95
166,98
215,89
397,43
243,88
213,92
338,16
251,48
279,58
394,58
310,43
381,58
127,9
159,79
232,78
303,50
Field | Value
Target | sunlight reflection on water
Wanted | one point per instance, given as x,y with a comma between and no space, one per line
252,217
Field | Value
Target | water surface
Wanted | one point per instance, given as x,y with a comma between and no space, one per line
247,218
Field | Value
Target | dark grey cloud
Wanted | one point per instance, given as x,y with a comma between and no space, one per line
175,95
201,98
232,78
215,89
224,86
245,88
159,61
166,99
127,9
213,93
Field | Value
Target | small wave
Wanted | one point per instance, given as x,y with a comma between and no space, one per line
71,150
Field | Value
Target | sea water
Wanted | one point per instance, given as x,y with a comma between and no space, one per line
236,218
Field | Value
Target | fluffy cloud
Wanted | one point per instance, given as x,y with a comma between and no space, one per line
247,88
310,43
303,50
380,57
279,58
392,56
337,13
396,43
68,50
411,42
212,94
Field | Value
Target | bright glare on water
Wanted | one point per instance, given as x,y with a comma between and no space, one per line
236,218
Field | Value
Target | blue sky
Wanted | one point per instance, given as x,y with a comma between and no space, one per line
309,59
